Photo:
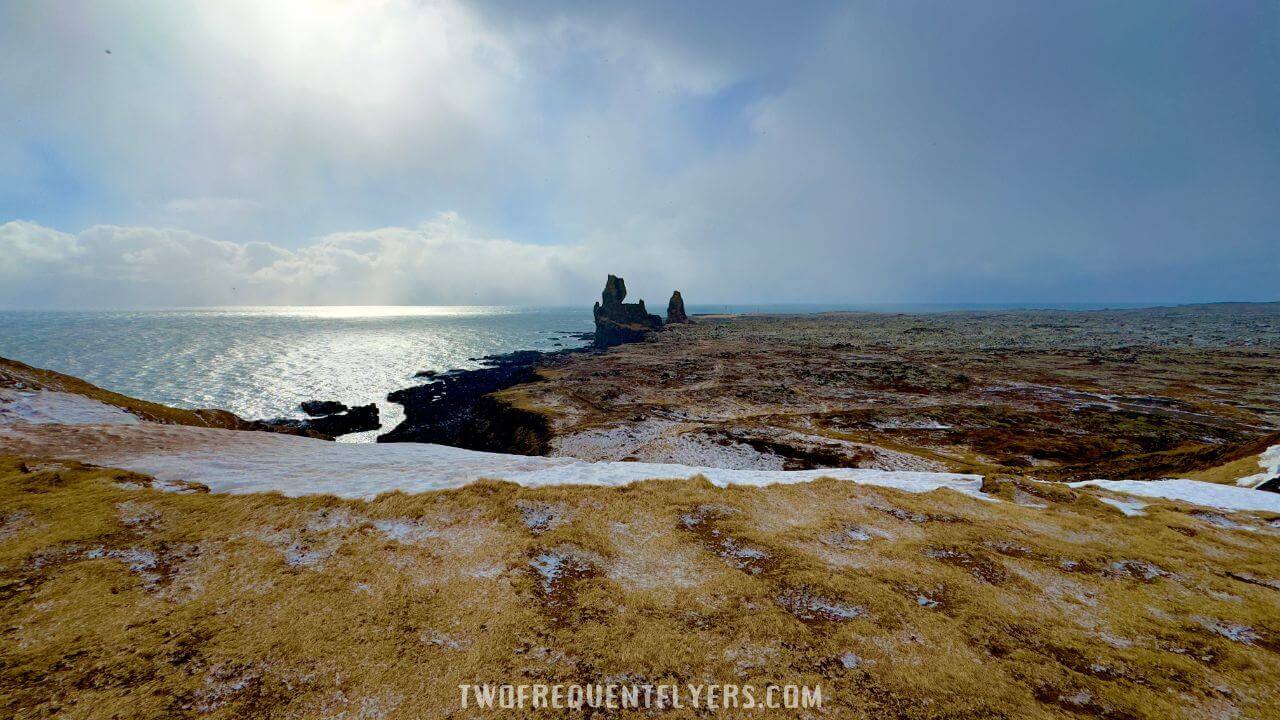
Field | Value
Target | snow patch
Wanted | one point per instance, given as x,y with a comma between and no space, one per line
850,661
540,516
1231,631
901,424
405,531
254,462
45,407
1128,507
1225,497
1269,461
809,607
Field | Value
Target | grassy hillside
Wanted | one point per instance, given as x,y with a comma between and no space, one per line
118,600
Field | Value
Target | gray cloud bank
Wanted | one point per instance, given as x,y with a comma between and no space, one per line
861,152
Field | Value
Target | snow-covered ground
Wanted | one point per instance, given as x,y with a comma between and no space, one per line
1226,497
56,424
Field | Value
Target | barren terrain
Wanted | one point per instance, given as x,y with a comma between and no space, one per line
1056,395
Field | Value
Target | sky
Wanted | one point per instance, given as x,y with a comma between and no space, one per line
514,152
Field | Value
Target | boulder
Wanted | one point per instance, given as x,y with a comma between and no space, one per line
618,322
675,310
357,419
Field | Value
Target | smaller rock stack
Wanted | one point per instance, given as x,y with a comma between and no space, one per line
675,310
618,322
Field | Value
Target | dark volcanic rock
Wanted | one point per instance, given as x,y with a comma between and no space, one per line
675,310
618,322
1272,485
357,419
452,409
320,408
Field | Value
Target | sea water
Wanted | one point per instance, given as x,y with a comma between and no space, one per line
260,362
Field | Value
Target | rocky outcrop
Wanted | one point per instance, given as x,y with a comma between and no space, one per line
675,310
332,418
320,408
453,408
618,322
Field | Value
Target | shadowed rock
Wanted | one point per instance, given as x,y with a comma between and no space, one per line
618,322
320,408
456,407
675,310
357,419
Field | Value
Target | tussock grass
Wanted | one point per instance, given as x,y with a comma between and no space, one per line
118,600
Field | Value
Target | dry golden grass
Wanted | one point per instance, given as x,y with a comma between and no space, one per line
1229,473
118,600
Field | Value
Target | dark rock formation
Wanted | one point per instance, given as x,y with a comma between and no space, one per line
675,310
618,322
1272,485
357,419
453,408
320,408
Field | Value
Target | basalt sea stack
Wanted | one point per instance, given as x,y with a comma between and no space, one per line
675,310
618,322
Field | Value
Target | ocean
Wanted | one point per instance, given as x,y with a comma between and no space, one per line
260,362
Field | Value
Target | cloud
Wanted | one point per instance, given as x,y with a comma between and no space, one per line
439,262
742,151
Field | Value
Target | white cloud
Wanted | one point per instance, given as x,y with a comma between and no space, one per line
436,263
749,151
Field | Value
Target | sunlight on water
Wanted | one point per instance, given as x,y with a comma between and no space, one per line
367,311
260,362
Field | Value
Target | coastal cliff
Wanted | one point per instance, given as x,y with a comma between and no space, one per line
466,408
458,408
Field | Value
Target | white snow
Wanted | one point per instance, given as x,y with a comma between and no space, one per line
44,407
1226,497
300,466
1128,507
1269,461
899,424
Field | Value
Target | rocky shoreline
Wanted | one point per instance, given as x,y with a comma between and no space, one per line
457,408
460,408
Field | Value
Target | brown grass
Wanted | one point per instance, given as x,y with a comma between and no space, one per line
117,600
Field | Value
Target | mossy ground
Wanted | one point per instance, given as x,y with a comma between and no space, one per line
118,600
